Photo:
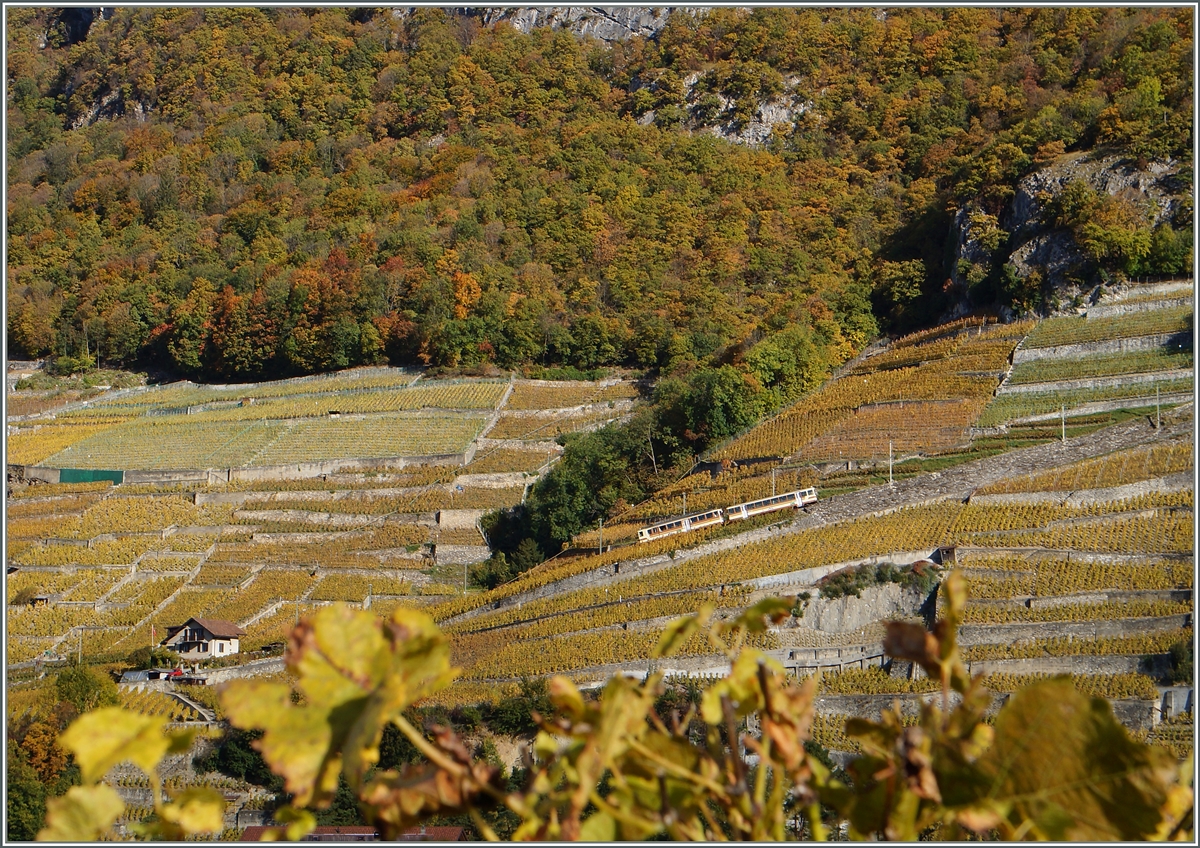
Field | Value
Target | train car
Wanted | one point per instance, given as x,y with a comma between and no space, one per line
795,499
681,525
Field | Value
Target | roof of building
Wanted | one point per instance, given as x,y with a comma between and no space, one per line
215,626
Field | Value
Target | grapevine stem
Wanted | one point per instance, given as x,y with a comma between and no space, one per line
813,813
485,829
441,760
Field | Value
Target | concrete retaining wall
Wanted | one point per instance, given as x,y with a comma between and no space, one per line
460,519
46,475
1096,382
192,475
1077,351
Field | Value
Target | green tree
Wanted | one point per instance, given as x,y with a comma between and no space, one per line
85,689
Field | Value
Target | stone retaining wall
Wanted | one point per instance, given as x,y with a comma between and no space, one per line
1156,665
1000,634
1095,382
1134,713
462,554
1116,307
1077,351
1108,406
1179,482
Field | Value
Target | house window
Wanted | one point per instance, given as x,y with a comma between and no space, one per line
220,647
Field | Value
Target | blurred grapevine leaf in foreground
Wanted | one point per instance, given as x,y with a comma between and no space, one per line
1054,765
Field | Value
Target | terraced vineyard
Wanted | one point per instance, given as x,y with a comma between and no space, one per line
1079,330
370,414
962,364
1011,407
1141,362
122,562
1100,580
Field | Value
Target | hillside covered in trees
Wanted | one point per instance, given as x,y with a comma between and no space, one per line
243,192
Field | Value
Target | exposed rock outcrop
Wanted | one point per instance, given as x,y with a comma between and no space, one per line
605,23
1023,238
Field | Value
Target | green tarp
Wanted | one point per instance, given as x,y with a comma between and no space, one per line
89,475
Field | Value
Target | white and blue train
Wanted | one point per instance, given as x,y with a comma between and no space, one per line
737,512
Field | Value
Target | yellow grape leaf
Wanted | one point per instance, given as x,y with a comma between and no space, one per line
754,618
84,814
102,738
566,697
1066,764
599,827
741,685
298,824
356,673
197,810
676,634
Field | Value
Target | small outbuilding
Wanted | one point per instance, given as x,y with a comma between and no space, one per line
204,638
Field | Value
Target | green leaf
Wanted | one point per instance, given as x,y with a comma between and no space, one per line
102,738
356,673
599,827
1067,764
84,814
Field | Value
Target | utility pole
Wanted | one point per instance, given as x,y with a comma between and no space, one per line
79,657
650,441
1064,424
601,534
773,480
891,484
1158,408
685,503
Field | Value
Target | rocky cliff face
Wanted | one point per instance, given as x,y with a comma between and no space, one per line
611,24
605,23
706,112
1022,237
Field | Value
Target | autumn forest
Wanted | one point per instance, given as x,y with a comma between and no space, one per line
237,193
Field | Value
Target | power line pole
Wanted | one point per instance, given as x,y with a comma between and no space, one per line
891,484
773,481
1064,424
1158,407
601,534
